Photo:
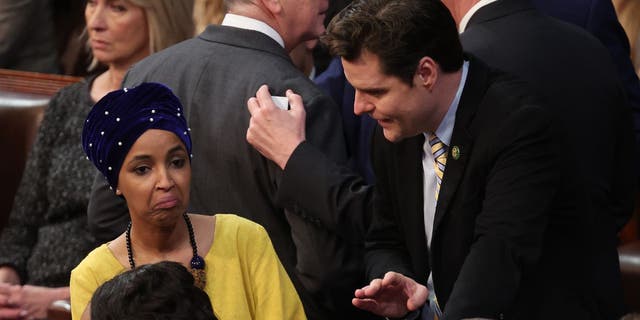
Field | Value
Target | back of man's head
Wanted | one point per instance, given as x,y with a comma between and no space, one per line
295,21
399,32
159,291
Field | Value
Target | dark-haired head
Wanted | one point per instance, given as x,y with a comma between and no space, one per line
159,291
399,32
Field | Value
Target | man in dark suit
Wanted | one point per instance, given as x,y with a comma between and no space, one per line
473,234
500,240
214,75
575,74
598,17
500,174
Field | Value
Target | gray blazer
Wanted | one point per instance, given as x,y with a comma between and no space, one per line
214,75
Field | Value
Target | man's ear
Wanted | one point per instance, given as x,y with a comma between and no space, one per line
274,6
427,72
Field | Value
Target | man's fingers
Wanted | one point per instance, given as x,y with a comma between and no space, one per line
368,291
416,293
416,301
295,101
393,279
373,288
264,97
252,105
365,304
10,313
361,293
263,100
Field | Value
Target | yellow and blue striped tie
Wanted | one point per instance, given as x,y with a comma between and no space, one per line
439,150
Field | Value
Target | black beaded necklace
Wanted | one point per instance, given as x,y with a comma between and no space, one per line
197,263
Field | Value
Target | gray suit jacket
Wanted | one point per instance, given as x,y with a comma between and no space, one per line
214,75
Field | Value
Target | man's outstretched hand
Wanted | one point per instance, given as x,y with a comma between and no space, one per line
394,296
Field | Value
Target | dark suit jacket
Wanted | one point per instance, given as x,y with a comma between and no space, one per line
214,75
599,18
492,209
575,73
358,130
502,243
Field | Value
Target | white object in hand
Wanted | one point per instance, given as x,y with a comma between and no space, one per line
281,102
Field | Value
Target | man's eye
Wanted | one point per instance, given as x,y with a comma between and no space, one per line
377,93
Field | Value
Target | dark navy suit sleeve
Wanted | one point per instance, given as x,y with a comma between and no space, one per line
358,130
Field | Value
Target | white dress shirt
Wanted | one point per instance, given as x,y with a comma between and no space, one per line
242,22
444,132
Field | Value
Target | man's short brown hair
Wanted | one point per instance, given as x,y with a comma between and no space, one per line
399,32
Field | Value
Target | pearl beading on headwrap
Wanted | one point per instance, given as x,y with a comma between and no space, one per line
135,110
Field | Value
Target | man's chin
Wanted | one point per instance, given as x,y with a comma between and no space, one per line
397,136
392,136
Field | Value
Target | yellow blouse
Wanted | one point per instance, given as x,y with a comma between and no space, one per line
245,279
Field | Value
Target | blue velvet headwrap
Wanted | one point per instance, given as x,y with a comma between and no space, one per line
122,116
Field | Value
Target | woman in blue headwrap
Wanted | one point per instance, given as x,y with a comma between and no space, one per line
139,140
47,232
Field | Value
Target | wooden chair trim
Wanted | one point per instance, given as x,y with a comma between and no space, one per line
34,82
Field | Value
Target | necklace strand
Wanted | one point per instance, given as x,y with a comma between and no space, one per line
197,263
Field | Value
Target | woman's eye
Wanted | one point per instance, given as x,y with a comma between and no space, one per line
118,7
141,170
178,163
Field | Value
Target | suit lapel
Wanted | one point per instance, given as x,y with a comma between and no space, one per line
462,137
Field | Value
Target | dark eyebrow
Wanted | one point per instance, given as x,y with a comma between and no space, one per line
141,157
177,148
374,91
135,160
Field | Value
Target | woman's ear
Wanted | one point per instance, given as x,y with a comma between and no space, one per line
118,192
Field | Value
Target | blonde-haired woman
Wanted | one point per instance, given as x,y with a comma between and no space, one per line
154,24
206,12
47,232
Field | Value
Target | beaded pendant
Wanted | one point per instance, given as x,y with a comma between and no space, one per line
197,270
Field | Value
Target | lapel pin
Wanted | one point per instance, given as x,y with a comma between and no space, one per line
455,152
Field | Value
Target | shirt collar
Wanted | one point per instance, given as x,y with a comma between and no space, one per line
471,12
242,22
445,129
